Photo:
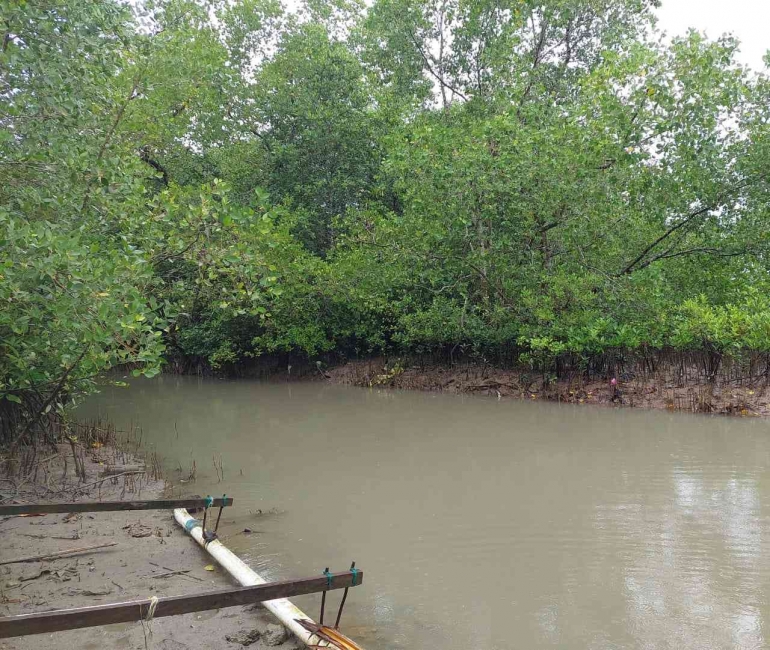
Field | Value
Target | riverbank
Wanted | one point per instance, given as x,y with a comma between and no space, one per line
152,555
672,388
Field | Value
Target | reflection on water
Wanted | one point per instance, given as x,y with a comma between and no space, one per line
484,524
698,564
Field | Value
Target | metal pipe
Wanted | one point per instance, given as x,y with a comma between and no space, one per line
219,516
323,599
344,598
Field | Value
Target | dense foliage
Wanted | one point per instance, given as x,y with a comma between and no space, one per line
200,179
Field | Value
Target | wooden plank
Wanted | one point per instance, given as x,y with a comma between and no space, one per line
127,612
107,506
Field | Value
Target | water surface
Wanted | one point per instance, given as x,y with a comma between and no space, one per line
483,524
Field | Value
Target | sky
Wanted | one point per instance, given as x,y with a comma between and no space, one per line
748,20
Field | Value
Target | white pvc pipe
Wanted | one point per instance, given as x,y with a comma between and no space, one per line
283,609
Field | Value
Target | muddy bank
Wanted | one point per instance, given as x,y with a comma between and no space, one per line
667,388
152,555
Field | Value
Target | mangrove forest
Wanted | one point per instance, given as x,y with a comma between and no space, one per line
204,185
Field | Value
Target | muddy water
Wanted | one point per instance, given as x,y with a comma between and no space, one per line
481,524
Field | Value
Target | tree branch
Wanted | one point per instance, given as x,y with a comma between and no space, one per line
536,53
144,155
433,72
630,267
692,251
49,400
108,137
262,138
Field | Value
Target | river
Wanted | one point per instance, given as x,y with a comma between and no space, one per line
482,524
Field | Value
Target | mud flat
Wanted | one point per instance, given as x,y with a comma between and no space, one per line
152,556
668,389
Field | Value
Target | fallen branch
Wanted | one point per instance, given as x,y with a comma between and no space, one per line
58,554
79,488
171,573
184,574
492,384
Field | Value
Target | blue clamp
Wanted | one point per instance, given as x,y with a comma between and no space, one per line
354,571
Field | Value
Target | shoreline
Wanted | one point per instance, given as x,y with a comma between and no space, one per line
659,391
152,556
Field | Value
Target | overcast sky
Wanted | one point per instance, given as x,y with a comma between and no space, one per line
749,20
